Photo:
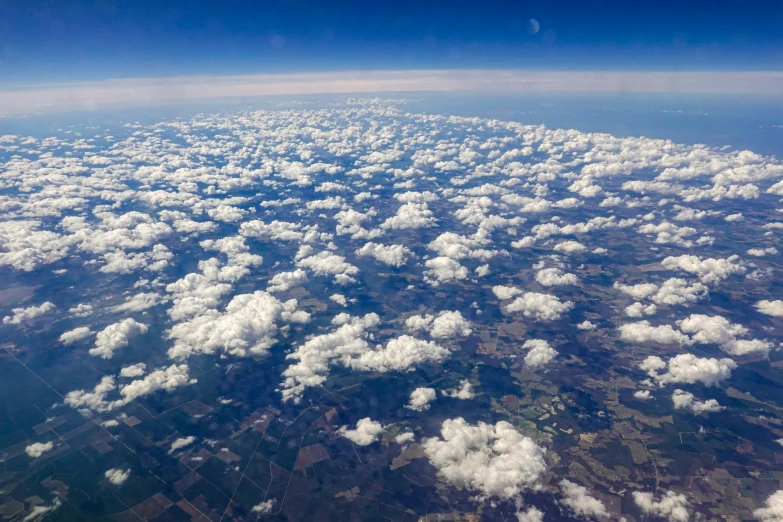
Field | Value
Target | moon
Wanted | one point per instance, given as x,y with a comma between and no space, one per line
533,26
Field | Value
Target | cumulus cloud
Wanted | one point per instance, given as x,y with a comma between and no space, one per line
493,460
167,379
140,302
74,336
672,506
688,368
586,326
444,269
446,325
773,308
579,500
718,330
28,316
506,292
181,442
392,255
325,263
532,514
539,354
709,270
464,392
36,449
421,398
570,247
347,346
772,510
116,336
117,476
283,281
366,432
541,307
555,277
134,370
686,400
248,326
643,332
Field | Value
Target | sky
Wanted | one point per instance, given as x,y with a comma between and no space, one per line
63,40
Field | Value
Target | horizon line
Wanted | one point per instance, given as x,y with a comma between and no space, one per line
128,92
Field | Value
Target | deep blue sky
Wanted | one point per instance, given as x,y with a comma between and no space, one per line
62,40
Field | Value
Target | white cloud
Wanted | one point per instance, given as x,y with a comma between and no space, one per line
643,332
326,263
182,442
579,500
392,255
639,310
542,307
75,335
28,316
134,370
264,508
709,270
248,326
446,325
774,308
36,449
570,247
586,326
444,269
772,510
642,395
465,391
366,432
688,368
116,336
421,398
140,302
672,506
532,514
718,330
339,299
117,476
506,292
539,354
492,460
686,400
283,281
555,277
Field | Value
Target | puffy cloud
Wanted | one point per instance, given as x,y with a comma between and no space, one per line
506,292
718,330
286,280
326,263
579,500
445,325
686,400
675,291
539,354
543,307
444,269
672,506
181,442
36,449
140,302
403,438
277,230
709,270
117,476
366,432
248,326
411,215
81,310
421,398
774,308
555,277
643,332
167,379
570,247
392,255
134,370
586,326
638,310
264,508
339,299
532,514
116,336
494,460
75,335
688,368
24,247
773,506
464,392
642,395
639,291
28,316
348,347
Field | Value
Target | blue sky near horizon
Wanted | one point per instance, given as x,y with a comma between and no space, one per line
52,41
